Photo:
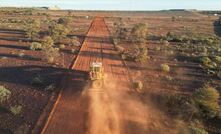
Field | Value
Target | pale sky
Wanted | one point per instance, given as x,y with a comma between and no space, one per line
118,4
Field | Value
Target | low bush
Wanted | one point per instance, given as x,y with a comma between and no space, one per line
165,42
35,46
75,42
181,106
16,110
51,54
139,32
217,59
37,80
48,42
196,130
4,94
73,51
164,67
157,48
204,60
21,54
207,98
128,56
61,46
116,41
142,55
120,49
50,87
65,21
207,62
138,85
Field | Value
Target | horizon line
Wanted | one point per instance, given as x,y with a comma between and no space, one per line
64,9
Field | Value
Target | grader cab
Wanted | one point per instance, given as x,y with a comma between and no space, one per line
96,74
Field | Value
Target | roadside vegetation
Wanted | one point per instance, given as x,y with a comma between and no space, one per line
136,36
197,109
182,71
36,49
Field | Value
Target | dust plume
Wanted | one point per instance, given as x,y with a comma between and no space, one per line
116,110
112,110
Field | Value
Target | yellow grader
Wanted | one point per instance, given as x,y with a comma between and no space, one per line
96,75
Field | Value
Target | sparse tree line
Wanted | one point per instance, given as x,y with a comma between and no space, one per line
41,31
51,39
200,49
137,36
16,11
200,109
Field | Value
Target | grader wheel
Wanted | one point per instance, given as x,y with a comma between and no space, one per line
97,84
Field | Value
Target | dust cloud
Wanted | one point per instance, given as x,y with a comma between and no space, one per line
116,110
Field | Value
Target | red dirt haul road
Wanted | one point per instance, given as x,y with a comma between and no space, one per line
81,110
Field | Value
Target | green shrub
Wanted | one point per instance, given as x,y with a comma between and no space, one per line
142,55
181,106
58,31
196,130
138,85
16,110
75,42
204,50
165,42
51,54
61,46
207,98
217,59
21,54
120,49
139,32
207,62
157,48
37,80
128,56
35,46
73,51
50,87
116,41
4,94
165,67
33,29
65,21
48,42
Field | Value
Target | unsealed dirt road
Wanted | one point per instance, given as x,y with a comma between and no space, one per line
81,110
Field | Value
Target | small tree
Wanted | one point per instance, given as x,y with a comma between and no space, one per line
120,31
33,29
207,99
65,21
35,46
139,32
75,42
48,42
164,67
49,52
142,54
16,110
138,86
58,31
